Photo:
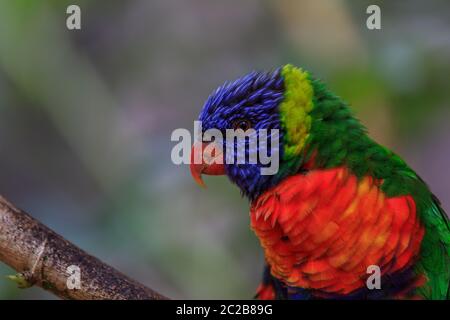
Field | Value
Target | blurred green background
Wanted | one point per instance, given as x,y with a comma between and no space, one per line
86,118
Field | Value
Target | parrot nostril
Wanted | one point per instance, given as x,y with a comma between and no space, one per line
284,238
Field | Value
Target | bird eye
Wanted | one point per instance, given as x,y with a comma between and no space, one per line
242,124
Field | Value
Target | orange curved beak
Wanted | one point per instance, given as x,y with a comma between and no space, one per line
206,158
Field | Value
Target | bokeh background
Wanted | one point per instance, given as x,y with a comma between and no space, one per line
86,118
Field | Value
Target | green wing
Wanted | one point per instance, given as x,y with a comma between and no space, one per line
434,259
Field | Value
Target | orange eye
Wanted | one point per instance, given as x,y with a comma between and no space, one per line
242,124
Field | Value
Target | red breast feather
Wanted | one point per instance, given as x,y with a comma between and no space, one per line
323,229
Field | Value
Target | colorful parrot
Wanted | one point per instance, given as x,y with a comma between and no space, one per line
339,203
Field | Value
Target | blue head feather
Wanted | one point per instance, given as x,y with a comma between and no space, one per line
254,97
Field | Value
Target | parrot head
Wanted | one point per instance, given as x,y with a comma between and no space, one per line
284,100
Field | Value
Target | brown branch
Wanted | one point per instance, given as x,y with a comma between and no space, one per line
42,257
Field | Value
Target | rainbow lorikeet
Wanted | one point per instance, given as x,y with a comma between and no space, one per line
339,202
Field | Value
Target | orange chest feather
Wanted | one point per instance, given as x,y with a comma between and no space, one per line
323,229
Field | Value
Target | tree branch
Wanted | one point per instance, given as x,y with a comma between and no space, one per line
42,257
